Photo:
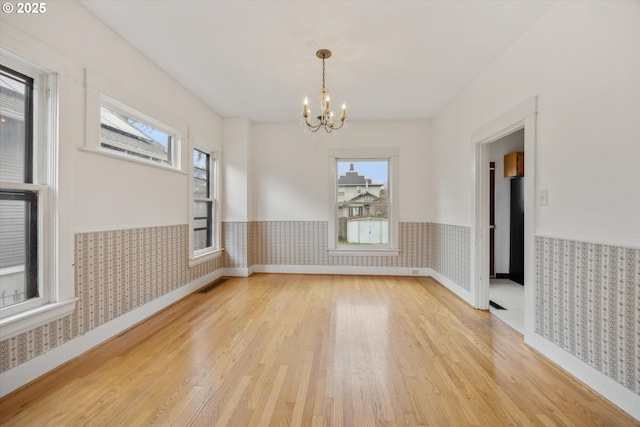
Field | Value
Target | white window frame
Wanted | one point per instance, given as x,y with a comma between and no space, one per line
52,301
174,149
215,250
364,154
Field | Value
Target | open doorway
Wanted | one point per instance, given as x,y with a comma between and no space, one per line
506,229
521,118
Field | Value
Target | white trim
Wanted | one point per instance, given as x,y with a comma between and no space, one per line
447,222
615,392
593,239
342,251
336,269
27,320
53,293
119,227
521,116
392,156
114,155
207,256
505,124
236,272
215,172
116,106
26,372
464,294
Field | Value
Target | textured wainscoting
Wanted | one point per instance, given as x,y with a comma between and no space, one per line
115,272
305,243
118,271
450,251
235,238
588,303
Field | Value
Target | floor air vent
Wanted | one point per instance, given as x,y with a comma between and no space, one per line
212,285
496,305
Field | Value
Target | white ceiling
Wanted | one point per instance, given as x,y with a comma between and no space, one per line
392,60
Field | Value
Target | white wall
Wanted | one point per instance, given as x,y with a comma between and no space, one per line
502,234
101,192
290,167
236,200
582,60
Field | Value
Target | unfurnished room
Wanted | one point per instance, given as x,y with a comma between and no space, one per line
320,213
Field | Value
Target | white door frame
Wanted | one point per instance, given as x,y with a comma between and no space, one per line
521,117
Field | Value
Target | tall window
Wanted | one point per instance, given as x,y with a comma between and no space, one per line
364,201
130,133
23,173
205,219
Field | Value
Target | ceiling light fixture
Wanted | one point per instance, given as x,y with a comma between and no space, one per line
325,118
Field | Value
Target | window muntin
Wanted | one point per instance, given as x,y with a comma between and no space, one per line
362,203
205,206
130,133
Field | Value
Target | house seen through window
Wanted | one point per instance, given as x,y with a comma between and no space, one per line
127,132
362,202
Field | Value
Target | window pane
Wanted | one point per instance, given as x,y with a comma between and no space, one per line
201,209
124,134
202,225
201,174
15,133
18,247
200,240
362,202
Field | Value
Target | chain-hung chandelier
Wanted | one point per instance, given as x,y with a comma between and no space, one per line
325,119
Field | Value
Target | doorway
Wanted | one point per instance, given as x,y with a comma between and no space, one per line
521,118
506,230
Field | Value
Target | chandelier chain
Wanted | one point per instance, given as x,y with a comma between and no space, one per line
323,72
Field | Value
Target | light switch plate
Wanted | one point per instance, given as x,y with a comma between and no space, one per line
543,198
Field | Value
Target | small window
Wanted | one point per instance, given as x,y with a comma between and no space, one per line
130,133
205,220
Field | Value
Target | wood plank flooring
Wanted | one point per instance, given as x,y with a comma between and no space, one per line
313,350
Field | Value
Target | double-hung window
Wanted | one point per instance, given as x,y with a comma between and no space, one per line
205,218
363,211
27,203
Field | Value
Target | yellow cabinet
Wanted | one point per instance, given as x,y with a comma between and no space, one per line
514,164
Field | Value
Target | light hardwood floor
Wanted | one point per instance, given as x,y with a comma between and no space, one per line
313,350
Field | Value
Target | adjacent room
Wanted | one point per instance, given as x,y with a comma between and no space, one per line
308,213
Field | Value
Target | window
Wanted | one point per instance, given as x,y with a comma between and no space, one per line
363,210
130,133
26,144
205,218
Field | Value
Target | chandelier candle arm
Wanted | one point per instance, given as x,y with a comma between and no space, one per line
326,117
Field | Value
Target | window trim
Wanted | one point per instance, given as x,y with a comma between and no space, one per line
117,106
56,299
364,154
214,251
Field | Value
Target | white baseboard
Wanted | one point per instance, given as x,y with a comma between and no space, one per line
236,272
329,269
452,286
32,369
611,390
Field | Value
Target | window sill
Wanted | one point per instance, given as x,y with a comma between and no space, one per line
126,158
363,252
30,319
216,253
